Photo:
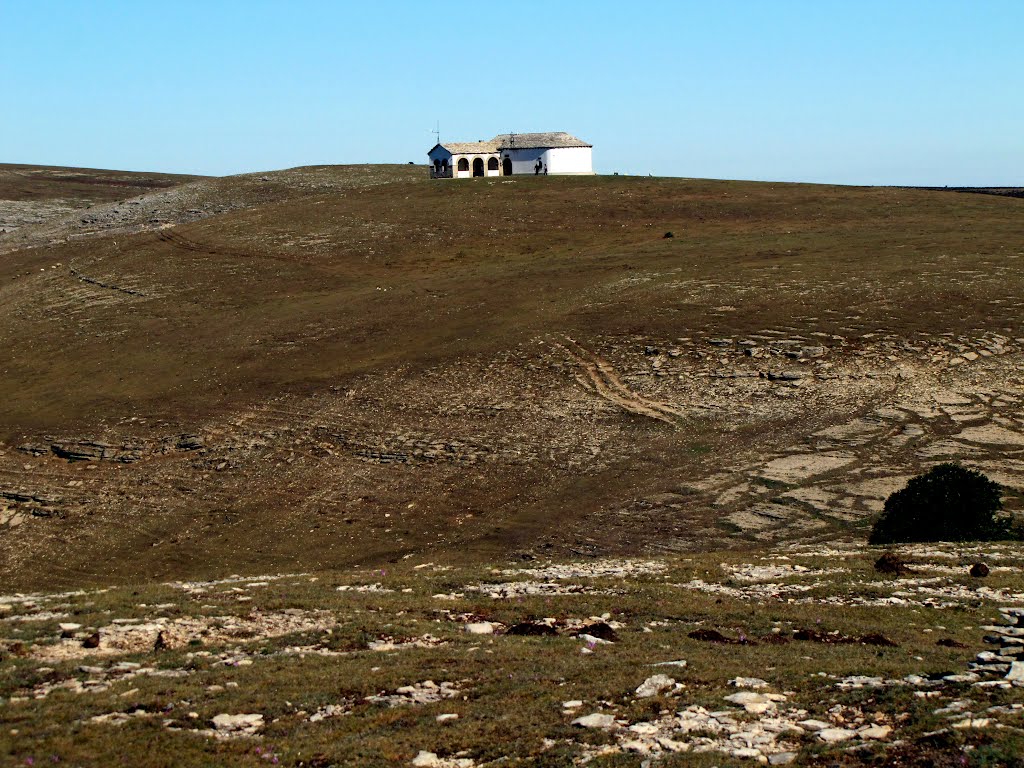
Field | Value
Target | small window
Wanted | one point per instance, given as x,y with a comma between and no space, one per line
492,164
463,164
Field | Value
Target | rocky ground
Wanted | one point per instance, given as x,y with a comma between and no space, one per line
34,198
802,655
383,461
402,472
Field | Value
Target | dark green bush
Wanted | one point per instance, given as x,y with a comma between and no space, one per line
948,503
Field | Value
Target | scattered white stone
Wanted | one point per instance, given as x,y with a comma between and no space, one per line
654,685
202,586
875,732
814,725
430,760
377,587
865,681
751,573
748,682
426,692
392,644
596,720
246,724
121,638
968,677
835,735
600,569
447,717
755,703
481,628
331,710
506,590
119,718
1016,671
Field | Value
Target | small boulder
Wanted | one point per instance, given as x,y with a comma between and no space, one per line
755,703
979,570
835,735
748,682
890,562
875,732
595,720
654,685
245,723
814,725
1016,673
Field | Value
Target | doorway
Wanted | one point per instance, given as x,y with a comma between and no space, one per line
478,167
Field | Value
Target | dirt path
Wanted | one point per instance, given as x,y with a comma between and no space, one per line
602,379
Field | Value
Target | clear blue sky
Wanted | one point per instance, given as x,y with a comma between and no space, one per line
845,91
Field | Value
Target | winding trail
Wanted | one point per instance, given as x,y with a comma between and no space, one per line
602,378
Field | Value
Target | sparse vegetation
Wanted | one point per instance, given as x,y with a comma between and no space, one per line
438,418
849,653
373,362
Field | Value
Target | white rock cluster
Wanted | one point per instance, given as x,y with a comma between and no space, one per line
527,588
1006,663
765,737
616,569
426,692
757,573
228,726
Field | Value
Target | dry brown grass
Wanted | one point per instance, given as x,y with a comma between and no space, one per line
310,324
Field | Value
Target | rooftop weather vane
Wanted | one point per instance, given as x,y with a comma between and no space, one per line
437,132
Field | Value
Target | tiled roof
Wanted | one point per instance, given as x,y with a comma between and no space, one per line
502,141
470,147
538,140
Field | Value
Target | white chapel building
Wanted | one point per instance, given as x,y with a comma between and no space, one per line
511,154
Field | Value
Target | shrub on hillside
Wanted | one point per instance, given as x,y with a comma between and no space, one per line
948,503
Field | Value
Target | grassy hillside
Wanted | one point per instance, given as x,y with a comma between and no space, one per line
92,185
32,194
331,365
340,466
